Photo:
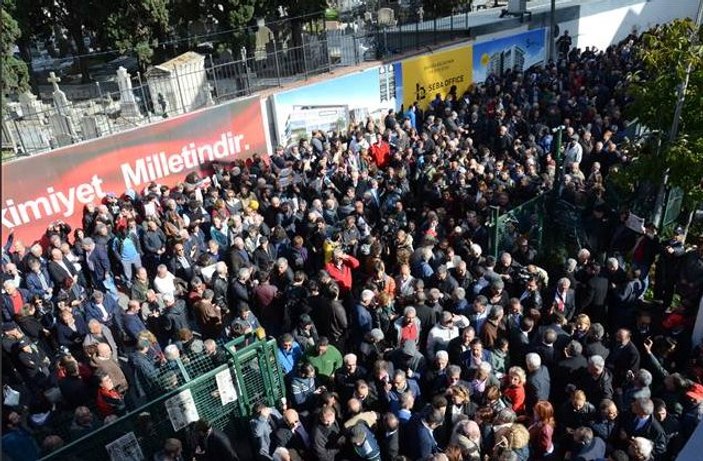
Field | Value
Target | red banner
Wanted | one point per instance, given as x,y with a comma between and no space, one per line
37,191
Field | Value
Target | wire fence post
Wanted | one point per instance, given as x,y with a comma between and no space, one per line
19,135
102,103
417,35
435,30
146,106
305,64
356,49
451,26
214,76
278,64
180,91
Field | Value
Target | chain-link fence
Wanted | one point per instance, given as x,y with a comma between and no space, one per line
525,220
256,377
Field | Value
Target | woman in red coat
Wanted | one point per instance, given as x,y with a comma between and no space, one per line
514,389
542,431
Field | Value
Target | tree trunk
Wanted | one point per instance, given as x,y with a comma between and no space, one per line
75,29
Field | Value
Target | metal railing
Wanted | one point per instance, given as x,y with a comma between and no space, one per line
525,220
256,376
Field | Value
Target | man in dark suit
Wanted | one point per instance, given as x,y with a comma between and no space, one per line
13,300
420,441
104,309
181,264
564,299
264,255
594,294
38,281
60,270
587,447
520,341
624,357
213,443
97,264
641,423
570,369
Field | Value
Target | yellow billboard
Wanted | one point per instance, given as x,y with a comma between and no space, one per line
426,76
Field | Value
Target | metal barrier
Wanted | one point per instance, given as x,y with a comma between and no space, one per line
526,220
256,378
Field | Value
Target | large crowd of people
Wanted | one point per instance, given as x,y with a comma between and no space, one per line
366,255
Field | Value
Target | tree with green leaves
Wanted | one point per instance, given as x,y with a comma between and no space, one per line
15,76
139,26
671,59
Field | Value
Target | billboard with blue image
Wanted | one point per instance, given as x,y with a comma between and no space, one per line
516,52
330,105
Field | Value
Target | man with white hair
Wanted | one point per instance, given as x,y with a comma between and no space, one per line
444,331
219,284
538,381
598,382
164,282
13,299
174,363
175,316
363,317
642,423
345,378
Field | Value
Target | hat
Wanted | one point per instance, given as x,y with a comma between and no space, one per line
9,326
695,392
442,269
679,230
409,348
376,334
358,434
22,343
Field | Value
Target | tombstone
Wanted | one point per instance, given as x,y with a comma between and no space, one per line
90,127
31,107
208,96
61,102
263,37
62,130
180,82
128,103
7,137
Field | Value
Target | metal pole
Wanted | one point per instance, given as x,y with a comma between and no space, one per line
305,65
214,75
552,28
356,50
417,35
495,213
435,29
19,135
107,118
684,85
278,65
141,87
557,156
180,91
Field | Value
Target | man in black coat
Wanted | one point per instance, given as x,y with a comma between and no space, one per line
642,423
570,369
213,444
594,294
624,357
587,447
538,381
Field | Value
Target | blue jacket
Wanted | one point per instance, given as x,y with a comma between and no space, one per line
34,284
363,320
8,312
101,265
369,450
289,359
420,443
145,374
65,336
393,396
92,311
132,325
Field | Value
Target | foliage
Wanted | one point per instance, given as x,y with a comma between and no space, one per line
139,25
15,77
665,55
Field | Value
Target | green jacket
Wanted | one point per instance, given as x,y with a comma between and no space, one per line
326,364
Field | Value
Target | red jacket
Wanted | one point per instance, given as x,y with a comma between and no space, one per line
109,402
516,395
343,276
381,154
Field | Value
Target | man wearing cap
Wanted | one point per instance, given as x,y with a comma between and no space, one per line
573,153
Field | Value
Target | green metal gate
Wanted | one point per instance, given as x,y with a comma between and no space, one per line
526,220
256,377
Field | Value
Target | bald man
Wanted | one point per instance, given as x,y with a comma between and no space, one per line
103,362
